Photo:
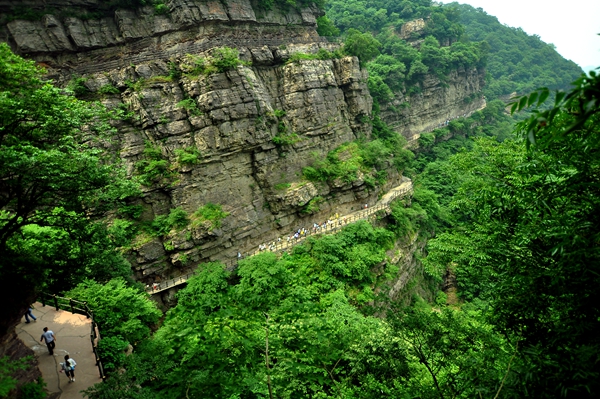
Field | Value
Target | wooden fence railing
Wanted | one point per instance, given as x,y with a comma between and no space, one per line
79,307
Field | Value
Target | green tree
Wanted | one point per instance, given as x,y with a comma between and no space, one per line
122,311
326,28
362,45
530,247
53,189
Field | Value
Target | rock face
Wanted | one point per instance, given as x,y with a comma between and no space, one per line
437,102
412,28
231,128
55,34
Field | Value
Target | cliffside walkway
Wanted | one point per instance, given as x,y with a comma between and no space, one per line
102,65
72,333
297,237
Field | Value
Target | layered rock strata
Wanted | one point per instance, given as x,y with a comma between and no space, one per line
437,102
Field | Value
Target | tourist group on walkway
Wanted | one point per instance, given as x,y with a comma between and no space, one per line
68,367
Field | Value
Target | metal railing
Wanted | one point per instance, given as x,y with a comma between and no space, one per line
291,240
75,306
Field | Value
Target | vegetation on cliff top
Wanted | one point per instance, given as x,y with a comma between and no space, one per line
397,66
517,62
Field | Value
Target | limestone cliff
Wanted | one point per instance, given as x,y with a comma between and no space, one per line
437,102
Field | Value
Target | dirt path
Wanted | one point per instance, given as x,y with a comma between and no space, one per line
72,333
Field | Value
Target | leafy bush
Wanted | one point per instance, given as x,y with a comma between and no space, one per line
112,352
211,212
313,205
225,59
191,106
78,87
187,156
34,390
108,89
326,28
426,140
322,54
120,310
362,45
342,163
163,224
154,167
161,9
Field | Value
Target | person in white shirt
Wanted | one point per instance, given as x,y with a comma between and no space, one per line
50,339
69,368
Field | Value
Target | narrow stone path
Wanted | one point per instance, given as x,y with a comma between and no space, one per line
283,244
72,333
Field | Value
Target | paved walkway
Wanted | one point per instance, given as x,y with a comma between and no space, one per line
287,242
72,333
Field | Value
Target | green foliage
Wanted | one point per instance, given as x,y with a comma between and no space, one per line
313,205
78,87
34,390
426,140
386,75
161,9
326,28
187,156
284,138
191,106
225,59
121,311
54,189
108,89
282,186
163,224
362,45
527,241
403,67
7,368
452,353
210,212
154,168
132,211
221,60
516,61
214,339
342,164
112,352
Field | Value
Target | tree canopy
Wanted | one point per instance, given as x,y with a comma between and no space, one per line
53,187
517,62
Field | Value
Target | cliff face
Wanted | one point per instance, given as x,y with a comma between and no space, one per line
62,32
438,102
238,114
228,120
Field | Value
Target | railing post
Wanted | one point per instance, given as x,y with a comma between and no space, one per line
71,305
55,302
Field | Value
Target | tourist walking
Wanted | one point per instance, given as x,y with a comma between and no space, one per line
69,368
50,339
28,314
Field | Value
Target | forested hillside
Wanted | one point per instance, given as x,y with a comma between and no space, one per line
400,59
517,62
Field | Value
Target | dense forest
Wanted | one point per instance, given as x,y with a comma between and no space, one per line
509,210
517,62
